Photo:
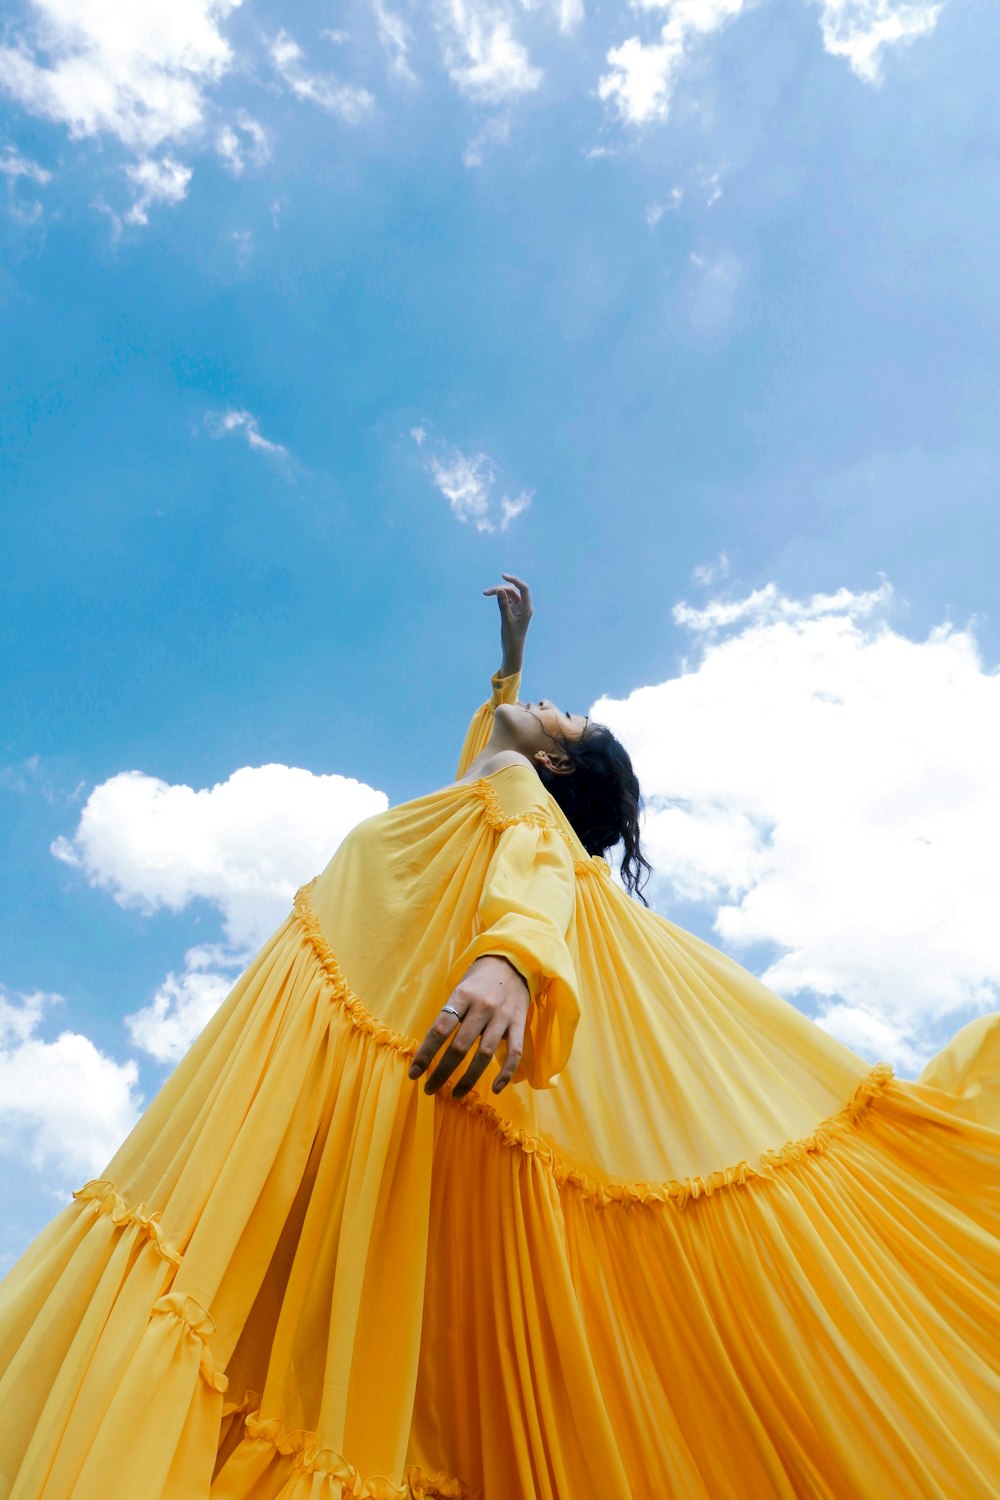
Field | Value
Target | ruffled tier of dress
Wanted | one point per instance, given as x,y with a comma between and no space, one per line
303,1279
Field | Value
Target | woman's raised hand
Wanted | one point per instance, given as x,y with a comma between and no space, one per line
514,599
492,1004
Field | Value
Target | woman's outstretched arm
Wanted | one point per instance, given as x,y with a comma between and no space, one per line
514,981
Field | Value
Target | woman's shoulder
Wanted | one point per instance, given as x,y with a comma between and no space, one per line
504,758
514,793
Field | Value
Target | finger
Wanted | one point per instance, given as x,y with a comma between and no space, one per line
488,1044
525,590
515,1042
444,1024
460,1043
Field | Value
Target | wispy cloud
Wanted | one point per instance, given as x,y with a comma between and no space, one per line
769,603
713,295
241,142
467,483
668,205
13,165
482,54
493,132
712,572
18,170
332,94
244,423
643,75
30,777
165,181
861,30
396,38
569,14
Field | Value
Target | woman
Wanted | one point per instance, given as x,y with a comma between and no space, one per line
642,1230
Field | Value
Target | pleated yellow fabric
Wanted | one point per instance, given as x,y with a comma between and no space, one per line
698,1250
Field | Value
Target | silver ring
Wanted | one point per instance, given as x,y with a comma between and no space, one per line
453,1010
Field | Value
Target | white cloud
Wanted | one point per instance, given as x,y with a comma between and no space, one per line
337,98
828,788
769,603
418,434
713,297
511,508
467,485
184,1003
64,1105
115,219
712,185
483,56
19,170
220,423
569,14
860,30
493,132
394,34
245,844
164,181
668,205
243,242
706,574
138,72
643,75
13,165
243,140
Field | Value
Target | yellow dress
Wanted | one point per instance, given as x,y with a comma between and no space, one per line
698,1250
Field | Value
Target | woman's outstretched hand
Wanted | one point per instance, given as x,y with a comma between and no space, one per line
492,1000
515,616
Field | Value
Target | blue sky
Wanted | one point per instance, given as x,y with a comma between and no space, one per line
315,318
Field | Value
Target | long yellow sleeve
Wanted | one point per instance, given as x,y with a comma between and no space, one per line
525,912
505,690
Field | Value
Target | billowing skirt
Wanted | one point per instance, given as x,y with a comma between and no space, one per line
304,1278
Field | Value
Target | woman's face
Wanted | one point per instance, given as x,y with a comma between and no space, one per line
531,727
558,722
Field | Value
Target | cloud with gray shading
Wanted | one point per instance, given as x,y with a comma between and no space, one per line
825,788
245,845
137,72
65,1106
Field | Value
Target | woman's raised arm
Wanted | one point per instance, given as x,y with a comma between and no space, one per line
515,616
514,600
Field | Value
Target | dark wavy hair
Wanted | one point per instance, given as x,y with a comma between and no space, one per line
601,799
